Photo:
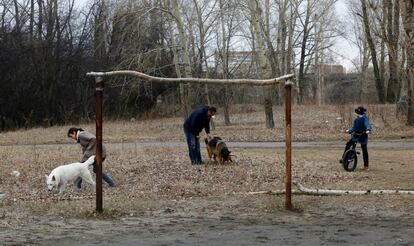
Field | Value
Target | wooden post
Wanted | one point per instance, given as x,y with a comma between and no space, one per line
98,96
288,141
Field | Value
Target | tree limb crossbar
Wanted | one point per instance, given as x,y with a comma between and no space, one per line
257,82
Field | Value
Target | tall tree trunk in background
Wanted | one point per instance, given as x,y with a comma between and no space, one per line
282,36
318,62
393,29
403,74
49,70
261,61
281,43
364,69
382,56
225,37
291,30
378,82
100,32
407,13
32,21
17,17
185,56
40,18
303,46
273,55
202,55
176,62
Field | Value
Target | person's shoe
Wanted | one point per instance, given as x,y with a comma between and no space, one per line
197,163
366,169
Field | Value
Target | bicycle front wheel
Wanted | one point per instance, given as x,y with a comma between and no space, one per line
350,160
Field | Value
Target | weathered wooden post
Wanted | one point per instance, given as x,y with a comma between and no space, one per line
99,84
288,141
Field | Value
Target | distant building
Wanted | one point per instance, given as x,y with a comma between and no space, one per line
327,69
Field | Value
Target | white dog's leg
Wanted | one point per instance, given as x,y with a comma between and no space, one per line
62,188
87,177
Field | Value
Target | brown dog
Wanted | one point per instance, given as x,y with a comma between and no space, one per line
217,150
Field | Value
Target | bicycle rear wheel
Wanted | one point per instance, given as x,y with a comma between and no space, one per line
350,160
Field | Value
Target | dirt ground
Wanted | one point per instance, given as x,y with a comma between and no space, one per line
160,199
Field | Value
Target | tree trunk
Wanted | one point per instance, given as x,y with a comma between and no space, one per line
185,56
203,56
305,37
407,13
261,62
225,62
393,27
378,82
183,97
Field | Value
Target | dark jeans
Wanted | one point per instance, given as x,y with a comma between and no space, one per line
105,177
364,148
193,147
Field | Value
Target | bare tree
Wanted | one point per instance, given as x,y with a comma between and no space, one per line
378,82
261,59
392,38
307,26
407,13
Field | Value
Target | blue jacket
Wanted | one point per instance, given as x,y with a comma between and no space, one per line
198,120
360,126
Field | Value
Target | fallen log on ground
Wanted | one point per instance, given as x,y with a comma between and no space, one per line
329,192
350,192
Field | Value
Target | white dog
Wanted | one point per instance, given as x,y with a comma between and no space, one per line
62,175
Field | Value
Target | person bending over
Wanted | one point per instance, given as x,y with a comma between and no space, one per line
198,120
88,143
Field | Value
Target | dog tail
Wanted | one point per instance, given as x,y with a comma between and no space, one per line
90,160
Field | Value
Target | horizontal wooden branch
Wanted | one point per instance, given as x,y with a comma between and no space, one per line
350,192
149,78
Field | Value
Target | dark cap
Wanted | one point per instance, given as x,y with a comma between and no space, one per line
360,110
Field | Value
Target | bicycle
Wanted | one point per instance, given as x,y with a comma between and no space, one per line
350,157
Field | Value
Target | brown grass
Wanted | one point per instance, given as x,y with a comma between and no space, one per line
309,123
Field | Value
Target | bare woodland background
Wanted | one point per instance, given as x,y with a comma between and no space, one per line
47,47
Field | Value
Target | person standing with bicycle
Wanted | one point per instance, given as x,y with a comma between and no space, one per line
359,133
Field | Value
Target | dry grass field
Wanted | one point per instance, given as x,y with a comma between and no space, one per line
310,123
158,188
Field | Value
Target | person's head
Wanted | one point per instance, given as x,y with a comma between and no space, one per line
211,112
360,110
73,131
